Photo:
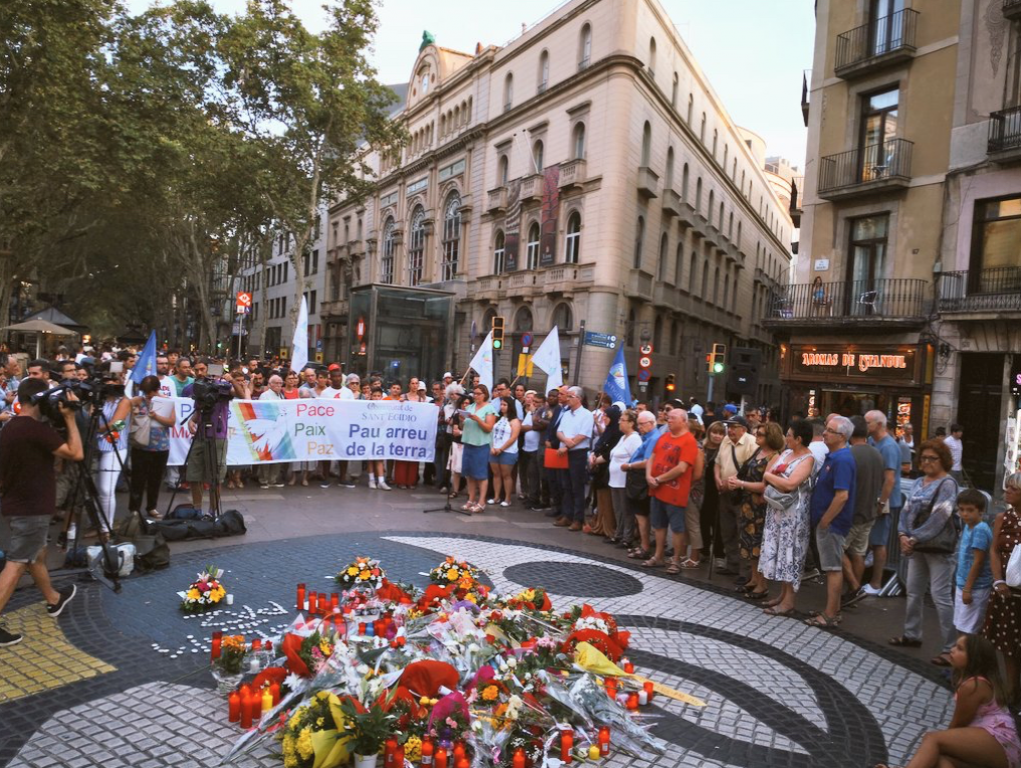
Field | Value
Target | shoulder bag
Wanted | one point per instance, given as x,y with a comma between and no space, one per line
944,542
636,487
141,428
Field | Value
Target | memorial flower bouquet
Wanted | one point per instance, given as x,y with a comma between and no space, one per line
204,593
363,573
233,651
316,733
456,573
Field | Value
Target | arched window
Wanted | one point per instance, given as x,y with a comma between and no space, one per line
692,272
726,154
716,138
664,247
563,318
451,236
669,169
639,242
673,91
719,218
579,141
533,247
585,46
416,247
684,183
523,320
386,261
657,333
705,279
504,170
709,209
543,71
726,291
678,264
716,285
572,244
698,195
701,130
652,56
508,91
537,150
499,257
730,226
738,241
646,143
691,107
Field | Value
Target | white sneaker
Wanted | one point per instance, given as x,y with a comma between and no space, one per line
490,501
381,484
372,483
868,589
505,503
720,563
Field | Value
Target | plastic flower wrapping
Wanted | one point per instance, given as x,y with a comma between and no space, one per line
204,593
363,573
491,678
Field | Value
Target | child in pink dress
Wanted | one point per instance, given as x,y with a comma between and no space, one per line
982,731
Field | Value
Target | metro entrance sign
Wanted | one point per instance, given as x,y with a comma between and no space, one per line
244,303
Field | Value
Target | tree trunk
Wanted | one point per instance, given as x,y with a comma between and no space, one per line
265,249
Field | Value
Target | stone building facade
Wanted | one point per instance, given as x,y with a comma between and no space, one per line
585,172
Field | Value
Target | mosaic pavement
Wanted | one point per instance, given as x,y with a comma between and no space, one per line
125,682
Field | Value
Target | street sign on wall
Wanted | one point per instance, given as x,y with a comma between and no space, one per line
604,340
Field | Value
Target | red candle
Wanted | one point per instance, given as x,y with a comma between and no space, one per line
257,645
629,667
274,690
334,602
244,690
604,741
427,752
324,602
463,763
566,746
312,601
519,758
399,757
458,754
388,752
649,687
246,712
361,628
632,700
234,707
611,687
440,758
301,597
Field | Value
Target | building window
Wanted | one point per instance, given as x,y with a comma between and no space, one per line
508,92
639,242
664,248
868,253
678,264
705,280
532,254
499,255
537,159
563,318
996,249
572,245
451,236
879,126
1012,82
673,91
691,107
887,26
386,262
416,247
652,56
543,71
701,130
579,141
716,138
585,47
669,184
709,209
684,183
504,170
646,143
716,285
698,195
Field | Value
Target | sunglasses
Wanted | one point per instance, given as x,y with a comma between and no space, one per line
928,458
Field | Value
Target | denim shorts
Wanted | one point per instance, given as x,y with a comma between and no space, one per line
28,537
662,514
880,535
504,458
831,549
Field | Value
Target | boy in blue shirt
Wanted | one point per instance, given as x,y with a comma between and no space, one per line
974,577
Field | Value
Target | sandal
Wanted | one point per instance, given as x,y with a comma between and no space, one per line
673,569
772,611
822,621
753,595
154,515
689,564
479,509
905,642
653,563
305,483
943,660
639,554
468,506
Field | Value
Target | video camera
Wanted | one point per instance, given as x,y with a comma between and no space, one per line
208,392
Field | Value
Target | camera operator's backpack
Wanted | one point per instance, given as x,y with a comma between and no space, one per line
151,550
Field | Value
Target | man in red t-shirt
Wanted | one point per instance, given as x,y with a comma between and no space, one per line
28,496
670,474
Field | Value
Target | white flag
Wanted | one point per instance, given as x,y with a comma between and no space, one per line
299,346
483,362
547,357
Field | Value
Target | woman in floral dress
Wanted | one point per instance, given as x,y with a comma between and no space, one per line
787,528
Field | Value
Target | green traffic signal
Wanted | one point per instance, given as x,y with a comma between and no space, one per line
497,343
717,367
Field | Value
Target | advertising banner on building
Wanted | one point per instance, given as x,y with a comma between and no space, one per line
310,429
512,226
550,212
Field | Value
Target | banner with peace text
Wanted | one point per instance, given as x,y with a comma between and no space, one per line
309,429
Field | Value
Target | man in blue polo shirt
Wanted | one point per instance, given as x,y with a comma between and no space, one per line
832,507
890,498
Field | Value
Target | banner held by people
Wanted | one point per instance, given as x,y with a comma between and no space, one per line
482,363
547,357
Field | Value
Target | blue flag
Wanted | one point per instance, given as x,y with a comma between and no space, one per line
616,384
146,363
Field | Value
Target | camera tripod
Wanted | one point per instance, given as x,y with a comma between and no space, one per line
85,489
211,459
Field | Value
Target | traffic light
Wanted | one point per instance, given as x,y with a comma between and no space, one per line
719,358
498,332
671,382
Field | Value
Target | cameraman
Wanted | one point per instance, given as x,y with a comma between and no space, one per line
209,444
28,495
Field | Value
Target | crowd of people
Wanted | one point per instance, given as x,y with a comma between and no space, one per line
680,488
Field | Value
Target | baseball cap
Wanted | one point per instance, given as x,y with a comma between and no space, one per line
730,408
421,386
737,421
675,403
334,367
448,375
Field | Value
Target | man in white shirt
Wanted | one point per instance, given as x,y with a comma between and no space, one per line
953,442
269,474
817,446
336,383
575,435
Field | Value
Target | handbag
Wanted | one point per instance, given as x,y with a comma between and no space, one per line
553,460
742,471
1012,574
141,430
636,487
944,542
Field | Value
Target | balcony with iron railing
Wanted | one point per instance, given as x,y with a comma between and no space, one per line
880,303
797,185
880,43
1012,9
984,291
1005,134
866,170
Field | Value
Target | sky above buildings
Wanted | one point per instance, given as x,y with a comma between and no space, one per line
752,51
